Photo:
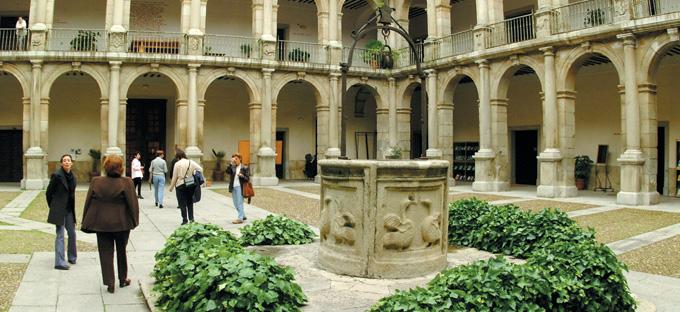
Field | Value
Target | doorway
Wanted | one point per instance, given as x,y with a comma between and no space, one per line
661,159
12,156
145,129
526,150
281,32
280,155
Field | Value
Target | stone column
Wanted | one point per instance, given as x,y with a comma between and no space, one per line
201,121
392,111
544,18
122,124
193,150
404,131
445,110
35,155
484,158
38,24
104,123
117,31
550,158
382,128
649,137
267,39
433,151
181,119
566,103
333,117
258,10
255,110
266,155
499,143
114,109
194,34
334,35
632,160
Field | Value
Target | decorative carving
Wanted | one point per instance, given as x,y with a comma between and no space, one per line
36,40
193,43
399,233
620,7
268,49
431,230
338,225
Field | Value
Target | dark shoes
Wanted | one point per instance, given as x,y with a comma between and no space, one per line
184,222
110,289
72,261
156,204
160,206
61,267
140,197
245,218
237,221
124,283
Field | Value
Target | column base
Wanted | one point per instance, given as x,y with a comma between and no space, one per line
550,161
549,191
194,153
266,175
433,153
35,169
332,153
490,186
637,199
265,181
113,150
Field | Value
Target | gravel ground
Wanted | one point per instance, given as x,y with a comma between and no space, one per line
38,210
537,205
616,225
3,223
290,205
6,197
487,197
27,242
661,258
10,278
308,189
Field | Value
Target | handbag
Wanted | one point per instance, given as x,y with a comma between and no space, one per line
188,181
247,190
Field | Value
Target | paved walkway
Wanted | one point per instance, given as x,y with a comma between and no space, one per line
81,289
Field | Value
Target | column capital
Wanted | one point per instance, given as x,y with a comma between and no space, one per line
334,75
621,88
483,63
36,63
628,39
566,94
115,64
391,80
268,71
647,88
498,102
431,72
193,66
548,51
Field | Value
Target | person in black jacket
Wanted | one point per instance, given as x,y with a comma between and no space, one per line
61,199
237,169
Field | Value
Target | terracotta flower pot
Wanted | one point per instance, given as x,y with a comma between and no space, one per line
580,184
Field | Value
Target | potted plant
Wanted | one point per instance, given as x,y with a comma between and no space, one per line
245,50
85,40
218,173
371,54
393,152
297,55
96,159
582,167
594,17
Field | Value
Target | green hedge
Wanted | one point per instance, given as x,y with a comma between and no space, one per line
204,268
566,268
276,230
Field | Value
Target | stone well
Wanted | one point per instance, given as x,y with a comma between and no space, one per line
383,219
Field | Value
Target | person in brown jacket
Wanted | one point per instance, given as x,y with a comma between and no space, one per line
111,211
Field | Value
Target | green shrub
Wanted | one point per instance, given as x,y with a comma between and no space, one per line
566,268
203,268
276,230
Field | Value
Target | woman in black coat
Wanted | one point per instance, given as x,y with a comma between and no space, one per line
61,199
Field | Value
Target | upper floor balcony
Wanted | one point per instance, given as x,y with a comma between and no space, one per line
291,47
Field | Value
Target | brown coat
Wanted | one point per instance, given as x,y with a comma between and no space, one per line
111,205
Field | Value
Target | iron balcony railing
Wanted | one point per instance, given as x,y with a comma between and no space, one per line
302,52
405,57
231,46
12,39
156,42
583,15
363,58
646,8
512,30
77,40
454,44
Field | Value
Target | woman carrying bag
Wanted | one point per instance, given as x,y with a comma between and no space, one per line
238,186
185,184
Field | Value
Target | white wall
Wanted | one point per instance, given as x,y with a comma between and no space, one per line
300,19
296,113
463,16
511,7
232,17
466,113
353,124
11,104
156,15
226,118
72,14
15,7
668,95
524,101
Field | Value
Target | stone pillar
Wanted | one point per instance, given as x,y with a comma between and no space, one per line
544,19
266,155
122,124
117,32
566,103
382,129
632,160
114,109
334,35
443,18
258,10
484,158
499,139
181,118
392,111
445,116
193,150
38,25
404,131
649,137
255,110
104,123
267,40
35,155
333,118
201,121
322,129
495,11
194,34
433,151
550,158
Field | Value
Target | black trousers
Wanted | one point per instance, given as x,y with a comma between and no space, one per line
105,244
186,202
138,185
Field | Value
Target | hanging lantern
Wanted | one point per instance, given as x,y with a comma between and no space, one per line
386,59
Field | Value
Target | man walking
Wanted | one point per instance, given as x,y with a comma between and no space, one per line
158,170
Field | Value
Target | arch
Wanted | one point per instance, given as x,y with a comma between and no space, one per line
451,79
18,74
317,85
500,85
377,90
573,61
129,76
207,78
652,57
405,92
322,5
94,72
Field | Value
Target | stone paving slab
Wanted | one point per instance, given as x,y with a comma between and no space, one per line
638,241
661,291
585,212
14,258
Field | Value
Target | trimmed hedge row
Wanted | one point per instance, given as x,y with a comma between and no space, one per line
204,268
276,230
566,268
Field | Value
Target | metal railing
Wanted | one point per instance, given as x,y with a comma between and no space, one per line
231,46
78,40
405,57
303,52
512,30
646,8
582,15
156,42
363,58
12,39
454,44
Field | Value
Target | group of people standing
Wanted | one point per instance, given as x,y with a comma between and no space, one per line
112,209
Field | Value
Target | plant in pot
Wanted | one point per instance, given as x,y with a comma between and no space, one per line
594,17
371,53
582,167
297,55
85,40
393,152
96,159
218,173
246,49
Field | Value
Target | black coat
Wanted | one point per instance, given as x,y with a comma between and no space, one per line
57,197
244,171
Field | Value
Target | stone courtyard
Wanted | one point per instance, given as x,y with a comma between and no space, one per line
41,288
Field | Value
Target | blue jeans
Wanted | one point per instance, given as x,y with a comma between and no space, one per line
70,227
237,198
159,188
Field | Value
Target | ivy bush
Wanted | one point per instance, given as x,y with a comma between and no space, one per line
566,268
276,230
204,268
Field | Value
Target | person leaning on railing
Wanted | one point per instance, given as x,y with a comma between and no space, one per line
21,33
